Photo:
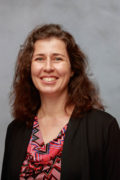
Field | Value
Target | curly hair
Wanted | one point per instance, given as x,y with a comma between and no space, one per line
25,98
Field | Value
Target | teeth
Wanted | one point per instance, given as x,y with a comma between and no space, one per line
48,79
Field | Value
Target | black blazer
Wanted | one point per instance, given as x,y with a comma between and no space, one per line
91,148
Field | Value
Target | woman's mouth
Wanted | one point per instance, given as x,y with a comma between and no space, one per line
48,79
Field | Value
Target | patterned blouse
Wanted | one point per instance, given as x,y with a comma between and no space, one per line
43,161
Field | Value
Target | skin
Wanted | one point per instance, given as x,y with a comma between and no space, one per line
51,72
50,68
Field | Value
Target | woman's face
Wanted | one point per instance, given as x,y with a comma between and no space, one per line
50,67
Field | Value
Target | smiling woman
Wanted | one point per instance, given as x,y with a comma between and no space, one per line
60,129
50,68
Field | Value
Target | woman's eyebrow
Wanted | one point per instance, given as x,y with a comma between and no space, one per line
40,54
53,54
58,54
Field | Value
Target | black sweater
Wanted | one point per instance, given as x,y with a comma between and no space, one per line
91,148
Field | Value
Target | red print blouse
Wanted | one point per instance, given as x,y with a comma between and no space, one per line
43,161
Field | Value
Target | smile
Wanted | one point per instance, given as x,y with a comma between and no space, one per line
48,79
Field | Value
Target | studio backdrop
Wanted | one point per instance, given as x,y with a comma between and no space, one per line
95,24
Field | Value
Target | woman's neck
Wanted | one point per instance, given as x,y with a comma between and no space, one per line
54,106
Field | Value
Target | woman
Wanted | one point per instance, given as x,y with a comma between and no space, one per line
60,130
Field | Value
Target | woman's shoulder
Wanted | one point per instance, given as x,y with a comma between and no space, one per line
17,129
16,124
100,115
100,118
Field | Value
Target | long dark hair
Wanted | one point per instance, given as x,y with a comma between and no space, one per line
25,99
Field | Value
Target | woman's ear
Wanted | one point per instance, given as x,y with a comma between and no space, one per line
72,73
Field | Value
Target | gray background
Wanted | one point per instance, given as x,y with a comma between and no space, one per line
95,24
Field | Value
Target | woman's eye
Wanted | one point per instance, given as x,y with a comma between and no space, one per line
39,59
58,58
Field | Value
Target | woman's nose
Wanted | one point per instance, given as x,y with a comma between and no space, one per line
48,66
